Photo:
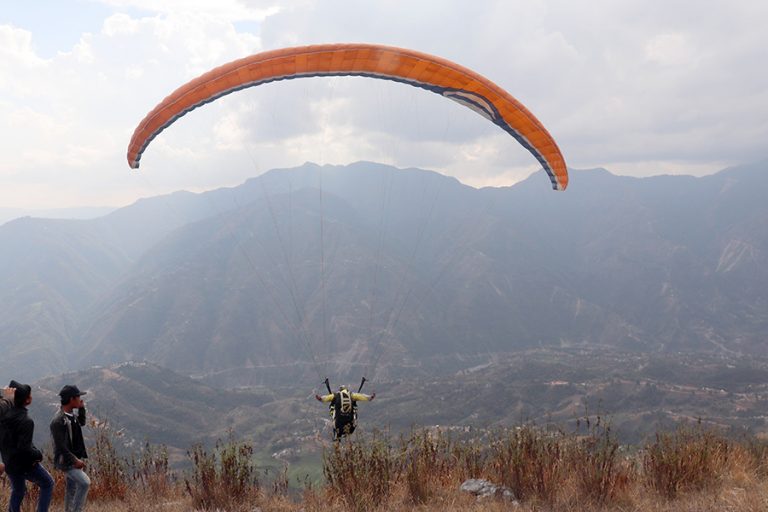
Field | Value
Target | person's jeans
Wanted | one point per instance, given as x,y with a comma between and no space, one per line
78,484
37,475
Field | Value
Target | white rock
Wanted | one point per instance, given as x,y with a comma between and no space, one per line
485,489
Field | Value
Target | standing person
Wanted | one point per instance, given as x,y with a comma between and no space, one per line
343,405
23,461
69,453
6,403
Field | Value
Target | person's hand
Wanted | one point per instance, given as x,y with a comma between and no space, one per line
8,393
2,468
79,464
373,395
318,398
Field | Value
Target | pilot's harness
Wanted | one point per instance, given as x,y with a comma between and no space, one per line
347,406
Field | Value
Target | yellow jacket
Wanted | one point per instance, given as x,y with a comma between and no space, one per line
357,397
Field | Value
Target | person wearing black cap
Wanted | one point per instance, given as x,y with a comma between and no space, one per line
23,461
69,447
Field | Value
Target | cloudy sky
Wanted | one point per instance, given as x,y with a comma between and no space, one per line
641,87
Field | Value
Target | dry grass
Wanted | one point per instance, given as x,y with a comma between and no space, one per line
690,469
223,479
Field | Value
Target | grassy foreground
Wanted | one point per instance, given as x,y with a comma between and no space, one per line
689,469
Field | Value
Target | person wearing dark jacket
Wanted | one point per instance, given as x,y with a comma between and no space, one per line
69,453
6,403
23,461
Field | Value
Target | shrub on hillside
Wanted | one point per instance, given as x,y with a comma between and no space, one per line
224,478
361,474
595,460
429,463
529,461
688,459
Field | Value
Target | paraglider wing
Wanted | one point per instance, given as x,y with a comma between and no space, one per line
407,66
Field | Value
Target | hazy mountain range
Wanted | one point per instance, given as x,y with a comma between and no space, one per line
370,269
7,214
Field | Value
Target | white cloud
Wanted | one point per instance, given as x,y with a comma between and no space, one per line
16,47
669,50
121,24
83,50
221,10
16,57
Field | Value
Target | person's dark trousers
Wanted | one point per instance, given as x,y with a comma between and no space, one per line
37,475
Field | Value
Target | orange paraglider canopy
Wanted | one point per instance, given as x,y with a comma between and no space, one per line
401,65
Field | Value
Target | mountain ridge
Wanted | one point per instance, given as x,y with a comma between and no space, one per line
389,267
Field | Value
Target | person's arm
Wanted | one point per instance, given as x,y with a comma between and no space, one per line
362,397
81,416
324,398
60,445
6,402
28,450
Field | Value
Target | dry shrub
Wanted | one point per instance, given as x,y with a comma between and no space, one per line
757,450
529,462
150,470
688,459
428,464
106,468
602,474
281,484
361,474
225,478
470,460
313,501
114,476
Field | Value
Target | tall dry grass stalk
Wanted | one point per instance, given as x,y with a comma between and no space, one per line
602,472
361,474
150,470
529,461
431,461
688,459
225,478
107,469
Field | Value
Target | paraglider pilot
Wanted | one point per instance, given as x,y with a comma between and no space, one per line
343,408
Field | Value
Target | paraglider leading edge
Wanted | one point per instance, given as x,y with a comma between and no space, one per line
410,67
